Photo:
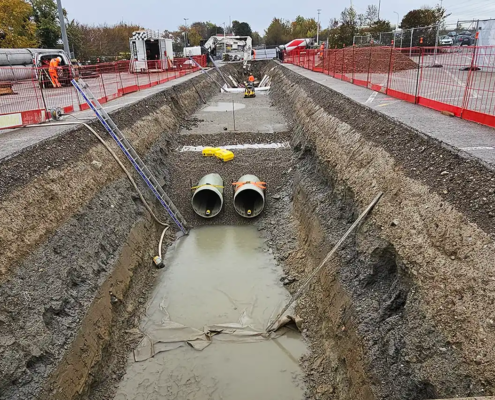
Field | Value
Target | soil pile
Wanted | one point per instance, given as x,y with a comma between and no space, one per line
366,59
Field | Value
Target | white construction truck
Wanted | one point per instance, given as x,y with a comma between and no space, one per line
25,64
150,52
240,46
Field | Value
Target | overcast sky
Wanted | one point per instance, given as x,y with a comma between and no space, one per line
161,15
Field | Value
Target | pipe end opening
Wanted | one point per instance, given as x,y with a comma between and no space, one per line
207,203
249,203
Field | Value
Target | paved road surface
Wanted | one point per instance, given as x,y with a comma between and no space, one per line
13,141
476,140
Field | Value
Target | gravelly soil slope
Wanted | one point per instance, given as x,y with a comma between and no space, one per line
415,289
74,232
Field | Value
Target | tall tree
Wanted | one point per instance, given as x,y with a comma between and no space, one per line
235,25
278,32
194,37
201,28
380,26
257,39
303,28
347,28
16,28
425,16
241,28
75,36
371,15
47,25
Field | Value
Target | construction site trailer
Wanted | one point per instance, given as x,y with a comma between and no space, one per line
149,52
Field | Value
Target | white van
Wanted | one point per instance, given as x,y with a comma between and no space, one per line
24,64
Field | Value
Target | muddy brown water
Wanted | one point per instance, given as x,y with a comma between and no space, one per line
218,275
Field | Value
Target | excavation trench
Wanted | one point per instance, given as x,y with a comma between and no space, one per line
221,280
397,313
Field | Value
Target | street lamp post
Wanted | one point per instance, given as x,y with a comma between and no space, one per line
396,26
185,32
318,28
62,27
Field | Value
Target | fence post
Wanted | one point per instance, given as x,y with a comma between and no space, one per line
418,75
353,62
335,62
103,85
324,53
369,66
342,72
390,69
465,100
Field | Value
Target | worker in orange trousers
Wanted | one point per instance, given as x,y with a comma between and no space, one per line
53,70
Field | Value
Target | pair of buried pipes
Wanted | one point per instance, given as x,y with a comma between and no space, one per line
249,196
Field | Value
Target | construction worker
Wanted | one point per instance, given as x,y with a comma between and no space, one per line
322,49
254,54
53,70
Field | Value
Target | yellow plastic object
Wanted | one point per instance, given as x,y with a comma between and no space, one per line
224,155
210,151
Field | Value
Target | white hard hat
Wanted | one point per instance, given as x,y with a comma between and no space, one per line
59,59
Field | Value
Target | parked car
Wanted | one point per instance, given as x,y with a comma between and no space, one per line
464,40
445,41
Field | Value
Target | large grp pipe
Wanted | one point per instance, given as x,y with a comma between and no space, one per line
249,196
207,199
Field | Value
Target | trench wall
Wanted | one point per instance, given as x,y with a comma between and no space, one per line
77,239
406,309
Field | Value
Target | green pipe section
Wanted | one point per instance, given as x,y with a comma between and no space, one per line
207,198
249,199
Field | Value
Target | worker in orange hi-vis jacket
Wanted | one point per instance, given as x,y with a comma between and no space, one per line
254,54
322,48
53,70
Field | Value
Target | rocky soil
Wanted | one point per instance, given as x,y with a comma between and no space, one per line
365,60
78,241
399,314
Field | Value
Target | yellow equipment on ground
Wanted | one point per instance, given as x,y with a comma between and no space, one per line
210,151
224,155
249,92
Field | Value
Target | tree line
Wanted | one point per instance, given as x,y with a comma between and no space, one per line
340,32
35,23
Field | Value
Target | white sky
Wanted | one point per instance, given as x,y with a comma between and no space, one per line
161,15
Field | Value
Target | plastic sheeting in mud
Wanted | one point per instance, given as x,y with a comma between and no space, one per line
219,290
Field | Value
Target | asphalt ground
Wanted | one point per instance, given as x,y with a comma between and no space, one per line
12,141
470,138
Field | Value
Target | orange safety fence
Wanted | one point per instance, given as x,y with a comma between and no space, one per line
27,94
456,79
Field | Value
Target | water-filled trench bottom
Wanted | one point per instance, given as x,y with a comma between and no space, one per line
222,276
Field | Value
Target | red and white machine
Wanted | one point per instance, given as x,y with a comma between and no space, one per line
298,44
